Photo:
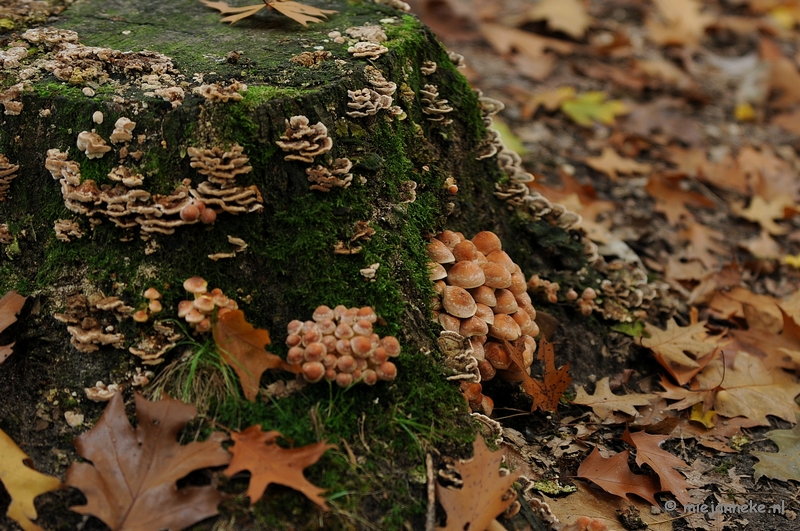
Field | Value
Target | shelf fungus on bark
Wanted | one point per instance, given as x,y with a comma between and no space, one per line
304,141
123,131
368,32
101,392
215,92
9,98
428,68
66,229
370,50
89,321
379,83
367,102
160,340
481,294
325,179
434,106
8,172
92,144
339,345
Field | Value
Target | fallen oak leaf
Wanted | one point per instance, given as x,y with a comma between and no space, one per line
603,402
612,164
766,212
671,200
483,494
591,106
662,462
22,483
678,349
614,476
241,346
131,480
255,450
568,16
785,464
10,305
547,393
296,11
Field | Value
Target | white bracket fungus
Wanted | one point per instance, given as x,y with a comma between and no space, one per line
428,68
123,131
306,142
367,102
368,33
219,93
66,229
92,144
8,172
370,50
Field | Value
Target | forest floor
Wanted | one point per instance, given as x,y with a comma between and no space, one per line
672,127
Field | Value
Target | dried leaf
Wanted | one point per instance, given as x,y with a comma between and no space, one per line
703,243
592,106
131,482
683,23
256,451
662,462
550,100
784,465
765,212
614,476
603,402
483,495
611,163
241,346
10,305
678,348
568,16
296,11
672,200
21,482
547,393
505,40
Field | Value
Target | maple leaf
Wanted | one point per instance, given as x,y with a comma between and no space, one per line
671,200
241,346
591,106
615,477
603,401
568,16
296,11
611,163
662,462
483,494
10,305
785,464
255,450
671,346
22,483
131,482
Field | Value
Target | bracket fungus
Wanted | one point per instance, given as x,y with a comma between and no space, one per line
434,106
92,144
370,50
379,83
152,347
339,345
367,102
123,131
304,142
215,92
89,321
482,295
428,68
9,98
174,95
311,59
368,32
66,229
5,235
325,179
8,172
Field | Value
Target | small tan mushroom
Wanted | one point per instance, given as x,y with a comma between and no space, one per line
92,144
123,131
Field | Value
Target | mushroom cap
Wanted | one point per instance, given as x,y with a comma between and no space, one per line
361,346
323,313
327,327
497,276
346,364
344,379
484,295
466,274
465,251
473,326
506,303
151,293
450,238
392,346
315,351
439,252
486,369
437,271
504,327
477,349
518,284
369,377
195,285
203,326
497,355
484,312
379,355
386,371
343,331
293,340
343,347
487,242
184,307
204,303
194,316
313,371
458,302
527,325
154,306
367,313
501,257
449,322
140,316
330,343
294,327
208,216
363,328
190,213
329,361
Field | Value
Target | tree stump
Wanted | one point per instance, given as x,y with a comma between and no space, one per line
290,167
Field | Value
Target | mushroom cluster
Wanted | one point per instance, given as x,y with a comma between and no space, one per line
123,130
381,85
161,339
90,323
216,92
325,179
8,172
434,106
198,312
9,98
339,345
304,142
482,295
370,50
367,102
66,229
368,32
311,59
11,57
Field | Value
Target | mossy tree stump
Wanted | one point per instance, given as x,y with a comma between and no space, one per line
289,266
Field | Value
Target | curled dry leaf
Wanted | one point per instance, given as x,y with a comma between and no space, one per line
483,495
256,451
603,402
614,476
10,305
662,462
22,483
296,11
131,482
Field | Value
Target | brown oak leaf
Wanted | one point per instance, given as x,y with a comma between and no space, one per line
671,200
22,483
483,494
614,476
296,11
679,349
603,402
10,305
255,450
661,461
131,480
611,163
241,346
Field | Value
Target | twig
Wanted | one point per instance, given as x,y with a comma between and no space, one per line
430,516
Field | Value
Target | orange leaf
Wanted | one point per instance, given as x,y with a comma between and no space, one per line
615,477
10,305
671,200
545,394
242,347
661,461
256,451
483,494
